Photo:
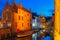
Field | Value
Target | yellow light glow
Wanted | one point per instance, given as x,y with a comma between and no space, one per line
57,20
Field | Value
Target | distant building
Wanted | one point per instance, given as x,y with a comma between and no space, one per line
35,23
43,25
34,15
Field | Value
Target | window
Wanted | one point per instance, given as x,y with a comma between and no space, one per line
16,24
19,17
30,19
27,14
22,24
28,24
22,18
9,24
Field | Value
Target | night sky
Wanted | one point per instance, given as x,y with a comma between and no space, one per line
46,7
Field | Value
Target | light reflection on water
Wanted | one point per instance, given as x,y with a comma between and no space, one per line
15,38
33,37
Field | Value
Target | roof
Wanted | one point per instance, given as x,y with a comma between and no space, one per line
24,9
20,7
0,19
7,6
14,7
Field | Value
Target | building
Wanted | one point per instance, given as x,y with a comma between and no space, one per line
22,19
8,17
43,25
15,18
35,23
14,8
42,21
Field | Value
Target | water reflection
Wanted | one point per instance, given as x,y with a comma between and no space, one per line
14,38
33,37
22,38
30,37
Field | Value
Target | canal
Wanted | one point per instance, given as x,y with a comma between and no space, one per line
33,37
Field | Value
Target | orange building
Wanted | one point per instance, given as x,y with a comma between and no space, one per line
22,19
16,17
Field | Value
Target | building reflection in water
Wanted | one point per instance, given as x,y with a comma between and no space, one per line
33,37
14,38
22,38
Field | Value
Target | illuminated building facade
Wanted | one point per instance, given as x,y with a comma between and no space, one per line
22,19
15,18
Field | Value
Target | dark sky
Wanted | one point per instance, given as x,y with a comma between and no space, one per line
46,7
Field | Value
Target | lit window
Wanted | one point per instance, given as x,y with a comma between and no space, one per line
1,25
9,24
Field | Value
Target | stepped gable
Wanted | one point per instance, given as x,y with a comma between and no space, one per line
7,6
20,7
14,7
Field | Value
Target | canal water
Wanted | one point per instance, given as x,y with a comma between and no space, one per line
35,36
31,37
